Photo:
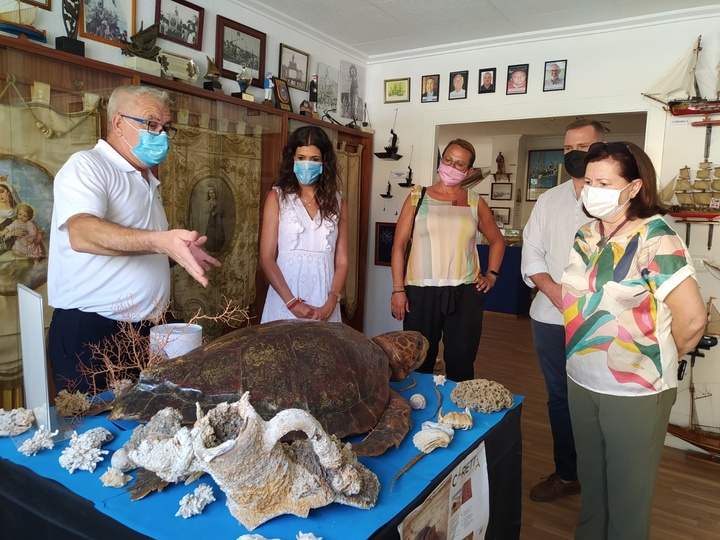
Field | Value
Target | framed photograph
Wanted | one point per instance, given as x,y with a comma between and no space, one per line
42,4
458,85
180,21
237,45
429,88
384,236
501,191
517,76
112,24
487,76
282,95
501,215
544,172
294,67
555,72
397,90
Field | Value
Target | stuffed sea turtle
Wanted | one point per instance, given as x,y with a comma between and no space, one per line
336,373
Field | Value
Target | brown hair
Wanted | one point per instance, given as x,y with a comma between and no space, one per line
584,122
465,145
632,164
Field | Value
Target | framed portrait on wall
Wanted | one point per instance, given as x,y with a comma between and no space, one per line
544,172
429,88
517,76
384,237
180,21
555,73
458,85
112,24
487,80
238,46
294,67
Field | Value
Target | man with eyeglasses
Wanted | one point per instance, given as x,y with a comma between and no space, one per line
110,247
553,80
547,240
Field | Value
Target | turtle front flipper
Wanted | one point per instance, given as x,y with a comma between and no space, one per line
389,431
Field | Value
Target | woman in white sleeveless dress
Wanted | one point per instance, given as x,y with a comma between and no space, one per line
304,237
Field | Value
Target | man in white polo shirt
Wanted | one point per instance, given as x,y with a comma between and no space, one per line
110,248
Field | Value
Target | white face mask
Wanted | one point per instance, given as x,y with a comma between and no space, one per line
603,203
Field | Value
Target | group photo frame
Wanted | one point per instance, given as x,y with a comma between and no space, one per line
180,21
397,90
294,65
238,46
112,24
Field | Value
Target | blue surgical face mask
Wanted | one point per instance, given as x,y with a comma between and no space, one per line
151,149
307,172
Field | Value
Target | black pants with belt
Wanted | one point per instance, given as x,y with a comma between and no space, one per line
71,333
454,314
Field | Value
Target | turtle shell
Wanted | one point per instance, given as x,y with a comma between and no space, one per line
334,372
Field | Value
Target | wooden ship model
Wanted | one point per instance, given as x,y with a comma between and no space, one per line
17,19
694,195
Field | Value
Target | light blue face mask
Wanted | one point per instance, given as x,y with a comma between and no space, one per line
151,149
307,172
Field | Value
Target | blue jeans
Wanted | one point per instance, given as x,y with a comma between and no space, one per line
549,342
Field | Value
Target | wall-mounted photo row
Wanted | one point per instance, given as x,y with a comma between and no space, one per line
429,88
458,85
517,76
487,80
555,73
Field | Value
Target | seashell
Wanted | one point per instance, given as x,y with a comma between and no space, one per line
457,419
417,401
437,425
306,536
427,440
114,478
439,380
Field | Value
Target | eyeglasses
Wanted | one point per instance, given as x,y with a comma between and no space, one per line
450,162
154,128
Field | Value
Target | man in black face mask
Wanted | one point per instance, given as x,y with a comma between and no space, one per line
547,240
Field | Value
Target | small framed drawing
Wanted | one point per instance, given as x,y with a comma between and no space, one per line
180,21
42,4
555,73
501,191
384,236
501,215
487,80
238,46
282,95
112,24
458,85
294,67
397,90
544,171
517,76
429,88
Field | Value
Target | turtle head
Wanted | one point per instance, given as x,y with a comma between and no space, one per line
405,350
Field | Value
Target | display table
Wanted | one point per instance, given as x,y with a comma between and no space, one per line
40,499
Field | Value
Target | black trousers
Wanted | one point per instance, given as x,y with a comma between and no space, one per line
454,314
71,333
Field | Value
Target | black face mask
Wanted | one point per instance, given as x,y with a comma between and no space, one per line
575,163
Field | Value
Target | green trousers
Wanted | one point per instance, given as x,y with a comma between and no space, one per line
619,440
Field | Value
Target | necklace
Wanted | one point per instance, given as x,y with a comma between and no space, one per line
604,239
308,203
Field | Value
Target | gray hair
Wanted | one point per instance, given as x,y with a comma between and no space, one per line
124,93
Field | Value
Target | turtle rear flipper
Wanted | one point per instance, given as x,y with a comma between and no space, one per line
389,431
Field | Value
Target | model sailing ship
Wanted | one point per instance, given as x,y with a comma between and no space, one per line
18,20
695,433
698,195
